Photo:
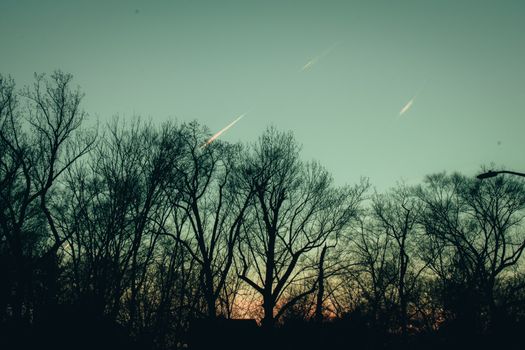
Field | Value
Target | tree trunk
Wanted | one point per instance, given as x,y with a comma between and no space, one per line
320,290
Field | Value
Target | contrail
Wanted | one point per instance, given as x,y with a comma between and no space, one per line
223,130
310,63
314,60
406,107
409,104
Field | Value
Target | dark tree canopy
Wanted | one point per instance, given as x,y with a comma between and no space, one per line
159,237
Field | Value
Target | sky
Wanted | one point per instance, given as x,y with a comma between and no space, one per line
336,73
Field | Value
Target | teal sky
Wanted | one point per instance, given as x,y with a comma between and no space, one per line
215,60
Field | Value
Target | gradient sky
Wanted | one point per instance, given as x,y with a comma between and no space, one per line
215,60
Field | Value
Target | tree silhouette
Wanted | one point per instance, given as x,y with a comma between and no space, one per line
214,203
297,210
397,215
475,228
38,145
147,236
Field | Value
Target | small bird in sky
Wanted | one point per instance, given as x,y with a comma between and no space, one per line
219,133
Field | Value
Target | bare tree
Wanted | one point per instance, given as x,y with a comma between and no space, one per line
397,215
297,210
371,276
116,213
41,142
209,194
477,233
11,157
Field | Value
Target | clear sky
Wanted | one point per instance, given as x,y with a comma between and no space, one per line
462,63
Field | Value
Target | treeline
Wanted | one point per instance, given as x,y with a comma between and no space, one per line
135,230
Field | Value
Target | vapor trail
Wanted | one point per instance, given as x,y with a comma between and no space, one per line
223,130
406,107
409,104
309,64
314,60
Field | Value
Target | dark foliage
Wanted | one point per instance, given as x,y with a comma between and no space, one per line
141,236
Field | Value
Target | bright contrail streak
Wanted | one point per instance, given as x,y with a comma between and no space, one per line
310,64
316,59
411,102
406,107
223,130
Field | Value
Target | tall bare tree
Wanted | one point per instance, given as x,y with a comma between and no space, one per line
397,215
117,211
477,234
215,203
296,211
41,142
